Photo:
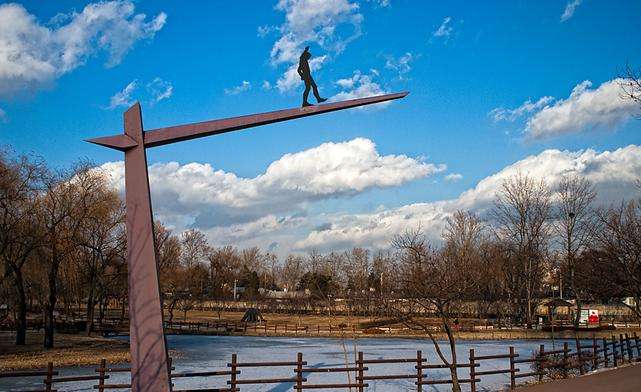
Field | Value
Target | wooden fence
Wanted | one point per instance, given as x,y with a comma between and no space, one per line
541,364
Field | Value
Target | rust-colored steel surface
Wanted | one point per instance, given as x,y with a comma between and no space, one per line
146,338
149,370
178,133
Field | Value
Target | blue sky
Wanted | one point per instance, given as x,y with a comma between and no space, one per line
469,67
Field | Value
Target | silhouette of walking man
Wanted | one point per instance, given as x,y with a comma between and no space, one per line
306,76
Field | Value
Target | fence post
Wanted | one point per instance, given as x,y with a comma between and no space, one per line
622,346
542,358
49,377
512,369
419,371
232,377
579,354
101,374
614,351
361,374
566,352
595,353
629,347
299,372
605,352
472,372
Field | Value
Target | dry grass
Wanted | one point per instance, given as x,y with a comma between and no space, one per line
70,350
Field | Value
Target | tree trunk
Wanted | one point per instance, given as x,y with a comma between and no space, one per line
456,387
50,306
21,327
90,308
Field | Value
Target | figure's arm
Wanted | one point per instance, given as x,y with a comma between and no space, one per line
300,70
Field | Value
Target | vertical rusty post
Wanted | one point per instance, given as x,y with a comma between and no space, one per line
146,337
629,347
579,354
472,372
614,351
360,375
595,353
419,371
542,359
299,372
232,377
512,369
48,381
566,354
622,348
101,374
605,352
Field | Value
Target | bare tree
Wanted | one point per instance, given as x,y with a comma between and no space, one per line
522,215
619,240
574,225
630,84
20,182
435,282
68,200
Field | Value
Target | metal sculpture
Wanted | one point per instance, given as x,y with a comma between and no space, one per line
149,363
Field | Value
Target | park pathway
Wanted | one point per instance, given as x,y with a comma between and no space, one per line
624,379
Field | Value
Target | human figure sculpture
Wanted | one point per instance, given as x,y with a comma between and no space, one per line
306,76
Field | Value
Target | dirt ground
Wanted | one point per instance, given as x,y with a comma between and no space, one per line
70,350
624,379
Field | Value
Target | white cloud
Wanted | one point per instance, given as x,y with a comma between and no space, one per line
453,177
612,172
242,87
360,85
159,89
199,193
312,21
154,92
33,54
124,98
503,114
3,116
381,3
445,29
401,65
585,109
266,85
570,7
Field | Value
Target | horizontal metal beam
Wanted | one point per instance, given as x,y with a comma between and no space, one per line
168,135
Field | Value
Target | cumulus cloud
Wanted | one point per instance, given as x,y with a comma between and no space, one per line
613,173
242,87
33,54
154,92
331,24
503,114
199,194
585,109
360,85
570,7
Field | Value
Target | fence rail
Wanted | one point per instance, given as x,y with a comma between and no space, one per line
543,363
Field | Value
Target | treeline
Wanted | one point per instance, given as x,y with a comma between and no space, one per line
62,247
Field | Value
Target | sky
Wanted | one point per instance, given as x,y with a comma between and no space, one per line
495,88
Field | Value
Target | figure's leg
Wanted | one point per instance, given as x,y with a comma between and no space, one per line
316,94
306,92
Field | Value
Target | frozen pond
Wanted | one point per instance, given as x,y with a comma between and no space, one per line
206,353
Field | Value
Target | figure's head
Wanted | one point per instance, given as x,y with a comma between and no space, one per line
306,55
